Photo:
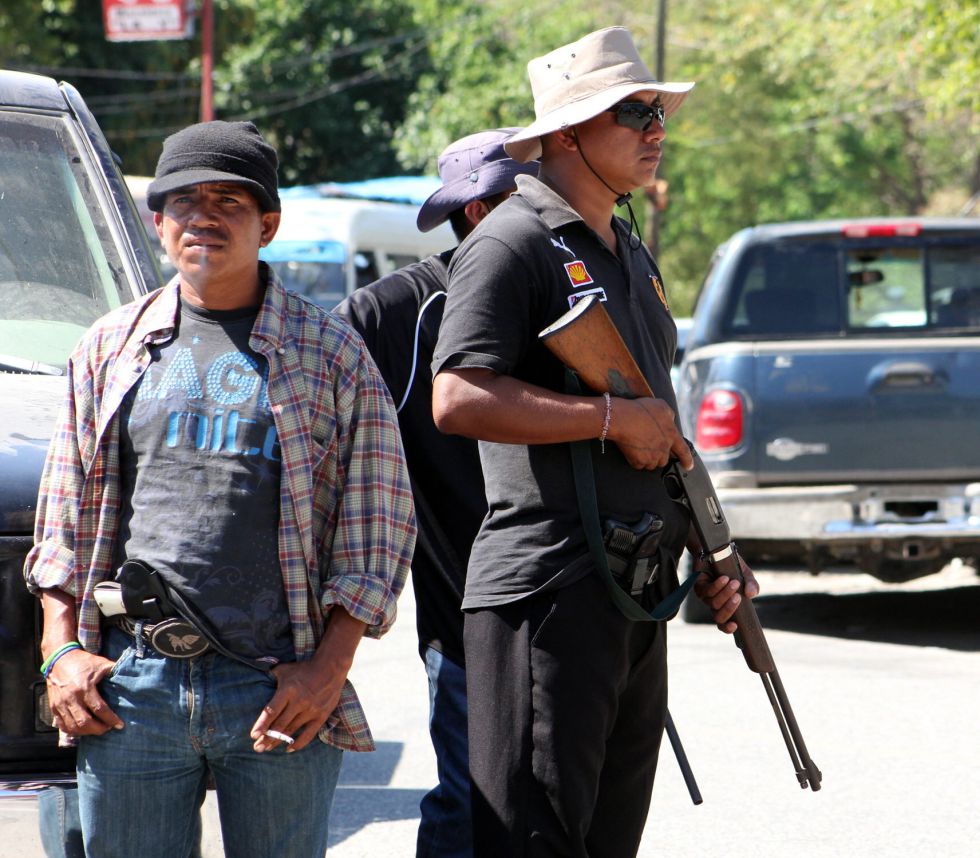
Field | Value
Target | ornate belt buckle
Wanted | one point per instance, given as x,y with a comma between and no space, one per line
177,638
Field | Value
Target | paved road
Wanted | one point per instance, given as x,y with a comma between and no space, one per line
885,682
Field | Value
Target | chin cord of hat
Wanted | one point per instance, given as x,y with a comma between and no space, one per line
621,199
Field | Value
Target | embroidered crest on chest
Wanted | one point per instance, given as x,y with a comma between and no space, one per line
658,287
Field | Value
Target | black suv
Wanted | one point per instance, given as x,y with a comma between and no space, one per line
72,247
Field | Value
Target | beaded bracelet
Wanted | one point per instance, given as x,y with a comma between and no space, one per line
49,662
605,422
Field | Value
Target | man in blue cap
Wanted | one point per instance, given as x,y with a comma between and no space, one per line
399,317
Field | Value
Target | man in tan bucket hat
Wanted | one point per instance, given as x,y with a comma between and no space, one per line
567,687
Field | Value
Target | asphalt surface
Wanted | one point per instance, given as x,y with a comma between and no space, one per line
884,681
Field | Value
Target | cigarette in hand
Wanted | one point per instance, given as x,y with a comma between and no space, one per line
282,737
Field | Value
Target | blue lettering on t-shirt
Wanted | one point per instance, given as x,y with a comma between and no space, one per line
219,433
233,379
270,449
180,375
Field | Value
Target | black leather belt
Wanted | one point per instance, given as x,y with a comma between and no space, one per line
173,637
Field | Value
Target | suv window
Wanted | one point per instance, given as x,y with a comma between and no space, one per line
796,288
886,287
954,279
400,260
365,268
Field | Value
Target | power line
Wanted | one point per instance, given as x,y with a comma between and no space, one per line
105,105
108,74
122,102
815,122
301,100
282,65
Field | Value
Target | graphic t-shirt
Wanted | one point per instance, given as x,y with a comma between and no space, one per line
201,471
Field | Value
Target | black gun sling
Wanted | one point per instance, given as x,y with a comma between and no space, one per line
589,510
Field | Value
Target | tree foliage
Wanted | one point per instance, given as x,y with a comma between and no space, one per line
328,80
810,110
479,51
803,108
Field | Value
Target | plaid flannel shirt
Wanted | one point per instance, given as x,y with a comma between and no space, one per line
346,528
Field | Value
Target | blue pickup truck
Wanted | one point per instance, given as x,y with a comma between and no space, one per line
831,382
71,248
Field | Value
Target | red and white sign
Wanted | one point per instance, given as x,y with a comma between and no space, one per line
146,20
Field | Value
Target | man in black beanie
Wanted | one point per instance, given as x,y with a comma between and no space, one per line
224,513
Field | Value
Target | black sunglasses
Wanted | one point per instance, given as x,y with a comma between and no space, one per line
637,115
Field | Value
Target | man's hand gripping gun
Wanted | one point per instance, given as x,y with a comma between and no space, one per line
586,341
695,491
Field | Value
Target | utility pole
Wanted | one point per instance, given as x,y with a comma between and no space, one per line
651,192
207,60
661,38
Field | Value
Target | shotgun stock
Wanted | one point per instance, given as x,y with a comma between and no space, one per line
586,341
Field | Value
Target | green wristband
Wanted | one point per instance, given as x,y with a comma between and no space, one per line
58,653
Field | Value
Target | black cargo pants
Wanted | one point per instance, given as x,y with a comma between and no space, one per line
567,705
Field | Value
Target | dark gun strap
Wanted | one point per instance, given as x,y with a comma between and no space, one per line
588,507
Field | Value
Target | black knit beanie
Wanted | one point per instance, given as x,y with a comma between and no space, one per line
217,152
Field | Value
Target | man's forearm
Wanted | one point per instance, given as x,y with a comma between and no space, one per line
335,653
60,621
482,404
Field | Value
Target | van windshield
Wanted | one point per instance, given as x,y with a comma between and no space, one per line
59,266
313,269
813,288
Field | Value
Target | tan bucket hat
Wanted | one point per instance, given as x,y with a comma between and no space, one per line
580,80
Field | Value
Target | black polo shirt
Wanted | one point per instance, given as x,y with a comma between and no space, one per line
398,316
509,280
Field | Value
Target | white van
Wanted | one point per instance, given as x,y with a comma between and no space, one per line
327,247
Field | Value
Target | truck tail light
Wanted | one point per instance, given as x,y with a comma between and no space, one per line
720,423
881,230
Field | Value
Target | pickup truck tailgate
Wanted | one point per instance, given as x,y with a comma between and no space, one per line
841,411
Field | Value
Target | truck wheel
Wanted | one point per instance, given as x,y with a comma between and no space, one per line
693,610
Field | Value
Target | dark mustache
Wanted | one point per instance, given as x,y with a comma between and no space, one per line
205,235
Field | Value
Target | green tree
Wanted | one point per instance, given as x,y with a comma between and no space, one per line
479,51
25,35
138,91
803,108
808,110
329,81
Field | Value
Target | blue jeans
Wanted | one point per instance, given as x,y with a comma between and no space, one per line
445,829
61,832
141,788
